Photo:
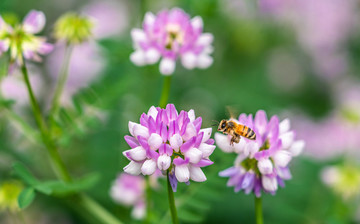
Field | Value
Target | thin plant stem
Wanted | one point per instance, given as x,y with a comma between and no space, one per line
258,211
172,206
63,75
148,199
95,209
55,158
165,91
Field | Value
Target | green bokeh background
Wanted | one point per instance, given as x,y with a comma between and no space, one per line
238,78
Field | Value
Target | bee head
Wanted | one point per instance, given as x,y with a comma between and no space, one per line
222,125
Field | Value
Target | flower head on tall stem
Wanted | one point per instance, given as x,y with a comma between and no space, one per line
21,39
261,164
169,141
73,28
170,35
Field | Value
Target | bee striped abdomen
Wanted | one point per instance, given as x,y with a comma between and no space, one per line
250,134
246,132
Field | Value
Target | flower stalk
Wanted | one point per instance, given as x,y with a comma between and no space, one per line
102,215
63,75
258,211
165,92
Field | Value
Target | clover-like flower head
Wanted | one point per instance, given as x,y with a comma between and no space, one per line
21,39
261,164
169,141
170,35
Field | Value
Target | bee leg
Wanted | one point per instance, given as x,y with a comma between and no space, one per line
235,138
232,140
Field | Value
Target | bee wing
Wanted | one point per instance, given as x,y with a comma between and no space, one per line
230,112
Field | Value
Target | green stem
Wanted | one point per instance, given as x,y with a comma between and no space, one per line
172,206
34,104
148,199
258,211
165,91
96,210
55,159
63,75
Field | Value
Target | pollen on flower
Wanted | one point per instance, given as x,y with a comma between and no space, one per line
170,35
261,164
171,142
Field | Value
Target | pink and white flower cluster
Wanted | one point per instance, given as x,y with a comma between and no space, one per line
261,164
21,40
171,34
129,190
166,140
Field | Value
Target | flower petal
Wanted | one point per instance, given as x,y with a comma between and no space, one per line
269,183
197,23
284,126
282,158
176,142
223,142
287,139
206,149
133,168
138,35
34,22
204,61
149,167
297,147
260,122
136,154
140,130
167,66
152,56
265,166
194,154
138,58
164,162
205,39
182,173
155,141
196,174
207,134
189,60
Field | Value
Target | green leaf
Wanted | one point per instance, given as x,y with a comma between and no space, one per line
62,188
24,173
26,197
43,189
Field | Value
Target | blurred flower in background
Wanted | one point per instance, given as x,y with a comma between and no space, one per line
9,192
172,34
110,18
13,87
73,28
129,190
261,164
322,28
165,140
338,133
343,179
87,60
21,39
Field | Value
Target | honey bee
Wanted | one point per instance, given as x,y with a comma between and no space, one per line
233,128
